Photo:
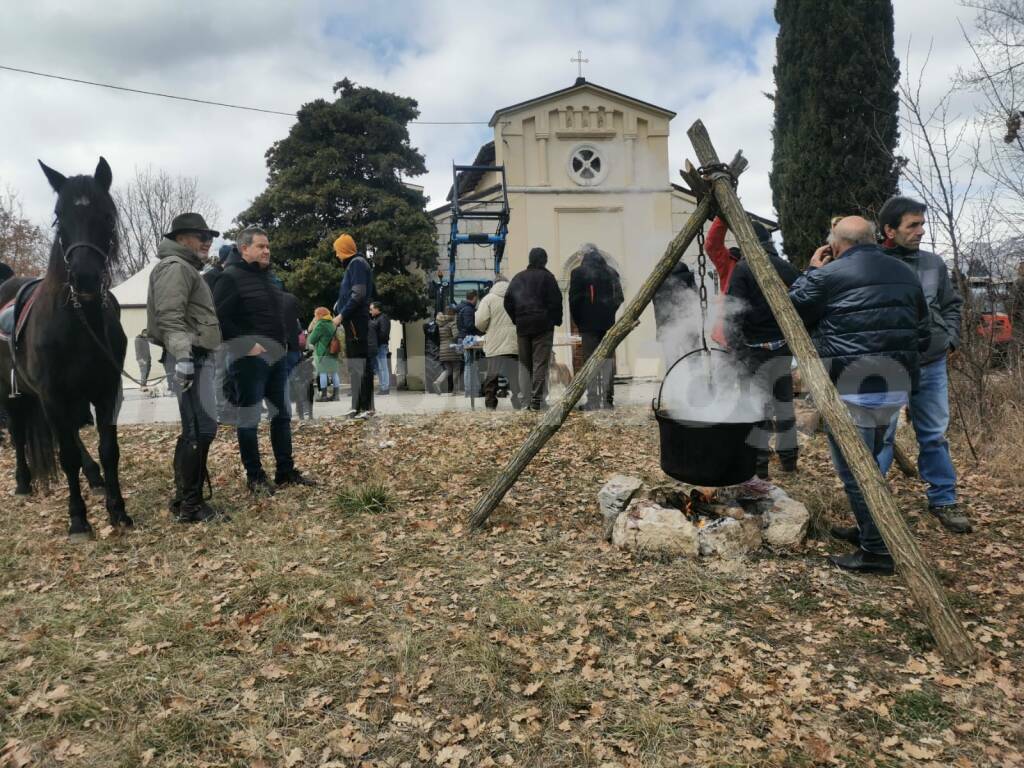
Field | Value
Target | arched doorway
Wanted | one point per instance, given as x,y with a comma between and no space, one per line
568,265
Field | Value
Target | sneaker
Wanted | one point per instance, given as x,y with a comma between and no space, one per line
860,561
952,518
259,487
293,477
363,415
350,414
850,533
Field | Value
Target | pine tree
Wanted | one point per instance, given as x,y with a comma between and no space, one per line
341,169
836,116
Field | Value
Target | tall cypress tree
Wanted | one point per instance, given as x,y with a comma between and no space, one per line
836,116
341,168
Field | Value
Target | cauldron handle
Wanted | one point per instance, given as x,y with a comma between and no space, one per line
656,403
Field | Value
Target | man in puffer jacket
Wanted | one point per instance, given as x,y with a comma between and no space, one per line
534,302
902,222
501,347
868,320
595,295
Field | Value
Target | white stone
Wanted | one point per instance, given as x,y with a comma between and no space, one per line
728,537
647,528
785,524
614,497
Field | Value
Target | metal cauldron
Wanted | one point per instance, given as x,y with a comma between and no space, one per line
704,453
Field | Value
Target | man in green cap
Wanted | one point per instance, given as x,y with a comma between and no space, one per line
182,319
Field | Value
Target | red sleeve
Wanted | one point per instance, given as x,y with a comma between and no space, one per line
714,246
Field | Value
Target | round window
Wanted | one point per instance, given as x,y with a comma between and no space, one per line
587,166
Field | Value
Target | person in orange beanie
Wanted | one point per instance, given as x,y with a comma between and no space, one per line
352,313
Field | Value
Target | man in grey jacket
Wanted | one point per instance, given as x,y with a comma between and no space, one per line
182,319
902,222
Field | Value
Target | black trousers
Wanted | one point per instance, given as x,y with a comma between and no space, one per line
601,389
507,366
773,372
258,380
534,362
197,408
360,371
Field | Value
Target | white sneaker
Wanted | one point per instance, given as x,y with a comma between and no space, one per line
363,415
350,414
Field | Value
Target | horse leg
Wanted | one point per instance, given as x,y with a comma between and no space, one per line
71,463
90,468
22,474
110,457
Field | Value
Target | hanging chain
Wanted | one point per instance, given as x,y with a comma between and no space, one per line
702,290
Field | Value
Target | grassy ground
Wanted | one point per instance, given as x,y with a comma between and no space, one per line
359,623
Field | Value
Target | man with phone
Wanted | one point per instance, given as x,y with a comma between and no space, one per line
868,319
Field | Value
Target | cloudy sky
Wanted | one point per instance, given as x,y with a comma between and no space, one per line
461,60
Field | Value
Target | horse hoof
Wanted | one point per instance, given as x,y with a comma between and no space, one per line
121,521
23,492
80,537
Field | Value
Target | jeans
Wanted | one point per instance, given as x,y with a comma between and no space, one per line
534,361
872,425
601,389
258,380
329,378
383,370
929,413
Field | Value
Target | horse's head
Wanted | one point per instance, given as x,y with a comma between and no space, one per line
85,247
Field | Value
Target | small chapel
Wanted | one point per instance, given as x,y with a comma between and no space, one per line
584,164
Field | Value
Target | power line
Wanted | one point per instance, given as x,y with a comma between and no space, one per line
204,101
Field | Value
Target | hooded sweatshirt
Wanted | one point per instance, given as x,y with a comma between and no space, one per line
180,313
595,294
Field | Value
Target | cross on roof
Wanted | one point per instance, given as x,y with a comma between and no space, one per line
580,60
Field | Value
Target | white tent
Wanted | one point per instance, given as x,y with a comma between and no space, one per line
131,295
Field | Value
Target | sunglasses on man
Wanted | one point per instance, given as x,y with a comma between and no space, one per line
204,237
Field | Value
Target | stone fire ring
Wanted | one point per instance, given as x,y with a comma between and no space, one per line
680,520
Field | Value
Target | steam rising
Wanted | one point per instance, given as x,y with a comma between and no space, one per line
711,387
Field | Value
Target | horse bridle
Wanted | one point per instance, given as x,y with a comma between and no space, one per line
74,295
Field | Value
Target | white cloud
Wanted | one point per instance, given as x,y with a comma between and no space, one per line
461,60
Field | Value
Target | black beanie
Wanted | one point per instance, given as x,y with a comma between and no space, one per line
538,257
765,238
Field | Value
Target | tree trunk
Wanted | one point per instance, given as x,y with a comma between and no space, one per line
950,636
558,413
903,460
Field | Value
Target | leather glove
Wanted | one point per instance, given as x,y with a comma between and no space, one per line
184,374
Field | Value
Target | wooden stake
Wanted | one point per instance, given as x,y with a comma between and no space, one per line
952,640
559,412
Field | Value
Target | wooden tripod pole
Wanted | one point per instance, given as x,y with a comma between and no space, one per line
558,413
950,636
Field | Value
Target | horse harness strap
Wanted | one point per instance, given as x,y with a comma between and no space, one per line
13,317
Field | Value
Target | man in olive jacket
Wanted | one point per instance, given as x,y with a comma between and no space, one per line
902,222
182,319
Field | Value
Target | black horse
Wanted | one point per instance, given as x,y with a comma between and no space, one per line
70,352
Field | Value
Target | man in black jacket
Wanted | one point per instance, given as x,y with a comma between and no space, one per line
250,314
868,319
227,256
757,340
595,295
352,312
534,302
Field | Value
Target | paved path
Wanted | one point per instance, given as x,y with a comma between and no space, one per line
141,409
